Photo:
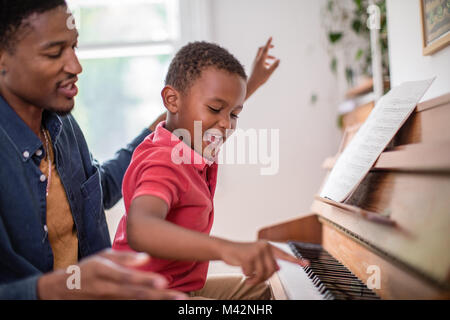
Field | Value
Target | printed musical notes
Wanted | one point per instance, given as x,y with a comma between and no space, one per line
389,114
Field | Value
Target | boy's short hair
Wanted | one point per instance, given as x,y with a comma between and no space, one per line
13,12
193,58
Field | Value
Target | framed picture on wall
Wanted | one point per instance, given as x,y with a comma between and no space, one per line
435,16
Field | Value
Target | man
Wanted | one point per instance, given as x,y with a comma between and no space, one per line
52,194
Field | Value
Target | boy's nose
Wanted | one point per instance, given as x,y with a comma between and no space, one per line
225,123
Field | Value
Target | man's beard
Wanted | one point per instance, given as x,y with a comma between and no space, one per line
59,111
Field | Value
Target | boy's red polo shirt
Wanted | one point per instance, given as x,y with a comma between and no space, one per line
188,190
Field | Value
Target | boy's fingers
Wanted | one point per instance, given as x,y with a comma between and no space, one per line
248,270
274,66
268,45
272,266
280,254
259,53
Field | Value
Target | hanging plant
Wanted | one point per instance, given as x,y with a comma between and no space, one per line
348,38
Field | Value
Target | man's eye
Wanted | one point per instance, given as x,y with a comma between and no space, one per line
235,116
54,56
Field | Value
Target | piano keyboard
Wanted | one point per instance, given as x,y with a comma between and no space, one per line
325,278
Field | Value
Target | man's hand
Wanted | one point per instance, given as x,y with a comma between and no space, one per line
263,67
109,275
257,259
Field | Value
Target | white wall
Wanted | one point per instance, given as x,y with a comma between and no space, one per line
405,49
245,201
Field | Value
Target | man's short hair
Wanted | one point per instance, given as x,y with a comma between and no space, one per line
193,58
13,12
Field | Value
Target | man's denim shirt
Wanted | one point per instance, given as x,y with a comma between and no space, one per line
25,251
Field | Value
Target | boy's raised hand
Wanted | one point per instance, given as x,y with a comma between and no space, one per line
257,259
263,67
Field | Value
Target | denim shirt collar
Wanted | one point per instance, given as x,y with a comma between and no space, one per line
22,137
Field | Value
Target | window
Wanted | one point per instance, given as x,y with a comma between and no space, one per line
125,48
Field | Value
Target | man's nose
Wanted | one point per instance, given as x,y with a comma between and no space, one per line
72,64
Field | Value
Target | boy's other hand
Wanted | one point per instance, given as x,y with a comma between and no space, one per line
108,275
257,259
263,67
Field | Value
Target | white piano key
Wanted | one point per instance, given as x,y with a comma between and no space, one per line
295,281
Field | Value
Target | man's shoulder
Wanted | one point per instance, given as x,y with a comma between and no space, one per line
68,122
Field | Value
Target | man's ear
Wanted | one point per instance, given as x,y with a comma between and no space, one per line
2,62
171,99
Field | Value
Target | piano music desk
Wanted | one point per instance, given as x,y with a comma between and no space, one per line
409,190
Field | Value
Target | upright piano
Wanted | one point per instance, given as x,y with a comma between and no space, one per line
391,238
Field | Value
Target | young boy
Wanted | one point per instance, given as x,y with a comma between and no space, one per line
169,186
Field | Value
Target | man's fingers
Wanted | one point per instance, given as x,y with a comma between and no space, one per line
151,294
113,290
280,254
125,258
126,276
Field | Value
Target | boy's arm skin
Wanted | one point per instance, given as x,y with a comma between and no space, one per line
148,231
263,67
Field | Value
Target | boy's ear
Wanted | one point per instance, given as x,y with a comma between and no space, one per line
171,99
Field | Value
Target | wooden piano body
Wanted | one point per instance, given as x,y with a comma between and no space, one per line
398,219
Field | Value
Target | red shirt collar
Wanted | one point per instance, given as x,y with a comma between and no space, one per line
164,137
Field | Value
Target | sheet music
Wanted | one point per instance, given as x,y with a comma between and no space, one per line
389,114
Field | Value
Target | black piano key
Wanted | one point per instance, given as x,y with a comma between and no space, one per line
347,288
336,265
340,274
315,266
332,279
343,281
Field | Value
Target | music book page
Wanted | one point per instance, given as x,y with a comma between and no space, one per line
389,114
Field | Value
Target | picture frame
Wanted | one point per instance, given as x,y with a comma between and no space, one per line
435,18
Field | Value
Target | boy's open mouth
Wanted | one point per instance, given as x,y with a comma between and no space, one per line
212,138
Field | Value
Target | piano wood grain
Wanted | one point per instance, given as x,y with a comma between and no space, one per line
410,184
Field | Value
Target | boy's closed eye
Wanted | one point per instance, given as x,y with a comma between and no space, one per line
218,110
214,109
